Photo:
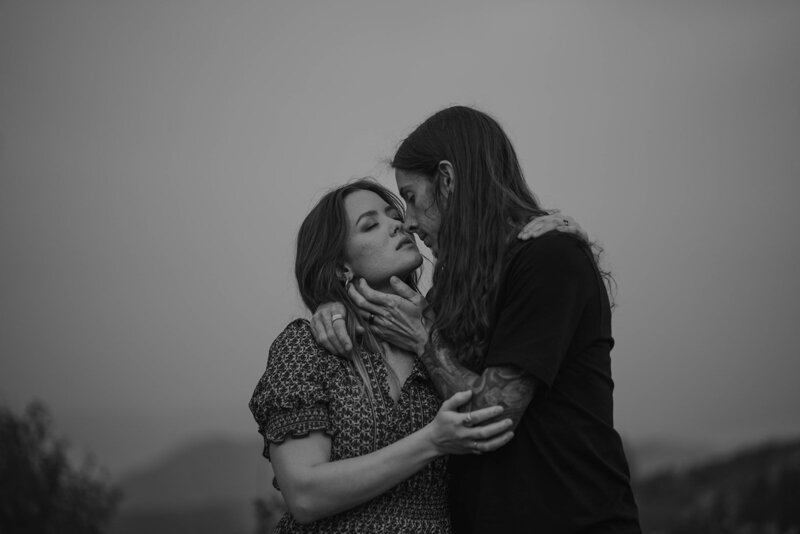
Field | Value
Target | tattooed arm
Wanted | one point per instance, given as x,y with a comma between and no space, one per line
507,385
398,319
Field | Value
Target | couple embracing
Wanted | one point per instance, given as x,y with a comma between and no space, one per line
485,406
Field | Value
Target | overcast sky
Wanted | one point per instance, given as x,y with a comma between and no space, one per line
157,158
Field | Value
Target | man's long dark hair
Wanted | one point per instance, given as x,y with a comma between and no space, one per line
482,215
321,244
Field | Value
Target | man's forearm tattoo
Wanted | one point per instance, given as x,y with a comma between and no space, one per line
508,386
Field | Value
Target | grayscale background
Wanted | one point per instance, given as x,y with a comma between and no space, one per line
157,158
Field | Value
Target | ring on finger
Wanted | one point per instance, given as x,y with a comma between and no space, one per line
475,446
565,221
468,419
336,317
371,319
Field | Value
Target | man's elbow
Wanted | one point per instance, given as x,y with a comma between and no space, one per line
509,387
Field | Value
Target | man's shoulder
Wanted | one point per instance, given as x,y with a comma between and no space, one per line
553,247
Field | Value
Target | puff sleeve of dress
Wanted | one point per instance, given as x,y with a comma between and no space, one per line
291,399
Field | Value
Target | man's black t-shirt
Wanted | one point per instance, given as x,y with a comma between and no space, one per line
565,469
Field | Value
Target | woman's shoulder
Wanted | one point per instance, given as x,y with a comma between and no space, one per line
298,377
296,346
297,334
295,363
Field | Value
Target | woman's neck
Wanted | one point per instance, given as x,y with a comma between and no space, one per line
393,350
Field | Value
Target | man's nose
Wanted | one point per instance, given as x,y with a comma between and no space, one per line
409,224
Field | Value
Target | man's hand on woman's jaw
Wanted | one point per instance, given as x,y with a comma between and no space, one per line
397,319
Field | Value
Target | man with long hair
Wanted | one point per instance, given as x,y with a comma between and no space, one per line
524,324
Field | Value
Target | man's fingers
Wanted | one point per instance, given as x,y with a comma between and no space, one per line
325,342
341,336
334,345
326,331
371,319
319,333
361,302
402,289
315,328
373,296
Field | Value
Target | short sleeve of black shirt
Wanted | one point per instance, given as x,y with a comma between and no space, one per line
549,281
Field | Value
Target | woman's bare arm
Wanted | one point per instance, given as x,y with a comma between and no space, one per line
315,487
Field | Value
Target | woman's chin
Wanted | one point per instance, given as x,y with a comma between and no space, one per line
413,264
402,270
409,264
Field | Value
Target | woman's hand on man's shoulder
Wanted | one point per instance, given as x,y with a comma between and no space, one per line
552,221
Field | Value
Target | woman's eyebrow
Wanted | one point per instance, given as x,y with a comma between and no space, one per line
370,213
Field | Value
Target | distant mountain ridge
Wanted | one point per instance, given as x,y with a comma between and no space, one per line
197,473
652,456
753,491
205,486
210,486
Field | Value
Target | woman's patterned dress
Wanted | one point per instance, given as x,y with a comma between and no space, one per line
305,388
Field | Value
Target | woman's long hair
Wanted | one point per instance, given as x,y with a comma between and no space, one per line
489,204
321,244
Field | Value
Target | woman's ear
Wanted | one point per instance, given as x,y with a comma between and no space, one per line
446,177
344,273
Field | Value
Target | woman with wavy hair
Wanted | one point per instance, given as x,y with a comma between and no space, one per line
358,441
526,324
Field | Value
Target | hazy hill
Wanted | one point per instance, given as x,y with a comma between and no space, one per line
653,456
755,491
209,486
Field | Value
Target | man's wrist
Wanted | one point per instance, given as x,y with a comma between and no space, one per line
422,337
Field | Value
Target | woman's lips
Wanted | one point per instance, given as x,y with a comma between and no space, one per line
403,242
